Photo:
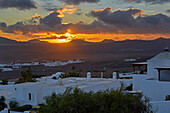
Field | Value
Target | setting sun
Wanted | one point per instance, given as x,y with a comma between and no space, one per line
59,38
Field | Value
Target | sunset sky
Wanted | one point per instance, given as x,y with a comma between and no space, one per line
59,21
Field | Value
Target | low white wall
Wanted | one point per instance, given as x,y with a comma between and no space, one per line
161,106
4,111
154,89
137,81
15,112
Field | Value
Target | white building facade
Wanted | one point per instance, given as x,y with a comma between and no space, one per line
156,84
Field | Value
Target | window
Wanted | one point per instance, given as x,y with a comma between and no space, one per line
29,95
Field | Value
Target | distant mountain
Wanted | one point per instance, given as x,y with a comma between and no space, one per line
35,50
78,42
7,41
107,41
36,41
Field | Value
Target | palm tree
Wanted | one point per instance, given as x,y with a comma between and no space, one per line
26,76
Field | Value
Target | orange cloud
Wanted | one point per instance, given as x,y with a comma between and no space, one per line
69,9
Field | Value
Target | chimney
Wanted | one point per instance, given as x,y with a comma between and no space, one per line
60,82
114,76
88,76
101,75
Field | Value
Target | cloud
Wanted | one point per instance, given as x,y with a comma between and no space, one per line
18,4
3,24
77,2
68,10
149,1
52,19
168,10
132,21
50,7
93,28
118,18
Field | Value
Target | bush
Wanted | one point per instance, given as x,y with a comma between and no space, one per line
13,104
129,88
167,98
54,78
4,82
70,74
109,101
22,108
2,103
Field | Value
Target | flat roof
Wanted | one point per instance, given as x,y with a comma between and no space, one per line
140,63
162,68
67,82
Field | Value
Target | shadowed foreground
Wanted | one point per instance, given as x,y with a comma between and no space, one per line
109,101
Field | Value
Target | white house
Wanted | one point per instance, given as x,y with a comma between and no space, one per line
156,84
34,93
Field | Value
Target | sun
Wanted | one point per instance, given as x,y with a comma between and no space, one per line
62,38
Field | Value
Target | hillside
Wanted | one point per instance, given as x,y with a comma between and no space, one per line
7,41
79,49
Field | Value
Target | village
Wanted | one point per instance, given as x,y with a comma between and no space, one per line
153,84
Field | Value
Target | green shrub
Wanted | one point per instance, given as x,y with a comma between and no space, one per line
22,108
129,88
13,104
54,78
167,97
2,103
4,82
109,101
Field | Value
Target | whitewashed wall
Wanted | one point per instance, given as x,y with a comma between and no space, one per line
154,89
161,106
152,64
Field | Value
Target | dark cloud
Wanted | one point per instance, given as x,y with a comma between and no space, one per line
50,38
3,24
49,6
81,13
50,23
168,10
77,2
93,28
55,37
127,23
18,4
119,17
149,1
51,9
52,19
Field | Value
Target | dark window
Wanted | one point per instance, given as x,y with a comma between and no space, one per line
29,94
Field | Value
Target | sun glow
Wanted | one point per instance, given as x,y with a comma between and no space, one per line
59,38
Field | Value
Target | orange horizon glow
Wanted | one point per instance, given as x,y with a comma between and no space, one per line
87,37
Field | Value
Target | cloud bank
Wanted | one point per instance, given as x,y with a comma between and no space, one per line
149,1
130,21
18,4
126,22
77,2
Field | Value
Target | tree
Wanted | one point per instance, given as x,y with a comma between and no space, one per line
73,73
109,101
26,76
